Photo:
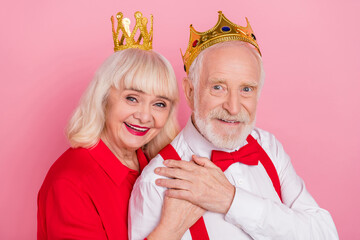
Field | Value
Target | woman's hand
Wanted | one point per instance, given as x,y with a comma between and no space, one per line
177,217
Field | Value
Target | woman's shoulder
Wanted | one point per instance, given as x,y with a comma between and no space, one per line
72,166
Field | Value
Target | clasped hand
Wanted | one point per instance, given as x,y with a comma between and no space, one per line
199,181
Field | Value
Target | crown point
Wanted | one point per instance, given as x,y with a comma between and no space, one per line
138,14
123,25
126,23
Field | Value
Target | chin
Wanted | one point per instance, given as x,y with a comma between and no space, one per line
133,145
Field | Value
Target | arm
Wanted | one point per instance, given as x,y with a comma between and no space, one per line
298,218
66,212
157,217
176,218
144,209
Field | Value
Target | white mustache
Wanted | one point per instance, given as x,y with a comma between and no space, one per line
222,114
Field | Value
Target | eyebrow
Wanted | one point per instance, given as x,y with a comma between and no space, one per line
141,91
217,80
252,84
221,80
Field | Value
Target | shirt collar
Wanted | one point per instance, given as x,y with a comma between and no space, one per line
198,144
111,164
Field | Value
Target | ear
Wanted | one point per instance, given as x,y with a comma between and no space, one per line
189,92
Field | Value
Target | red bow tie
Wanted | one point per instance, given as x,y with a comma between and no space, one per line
248,155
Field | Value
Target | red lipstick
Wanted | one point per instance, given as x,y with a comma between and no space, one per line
136,130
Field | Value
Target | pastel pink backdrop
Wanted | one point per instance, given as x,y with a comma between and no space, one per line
310,101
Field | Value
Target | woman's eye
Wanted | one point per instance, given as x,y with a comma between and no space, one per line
131,99
160,104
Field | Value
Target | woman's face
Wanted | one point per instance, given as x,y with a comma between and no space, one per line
133,118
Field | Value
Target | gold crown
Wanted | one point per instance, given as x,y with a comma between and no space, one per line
123,24
223,31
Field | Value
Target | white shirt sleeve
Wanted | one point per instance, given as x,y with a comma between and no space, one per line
145,203
299,217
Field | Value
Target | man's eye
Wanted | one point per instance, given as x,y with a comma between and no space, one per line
131,99
217,87
247,89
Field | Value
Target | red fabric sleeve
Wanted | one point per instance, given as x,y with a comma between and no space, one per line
69,214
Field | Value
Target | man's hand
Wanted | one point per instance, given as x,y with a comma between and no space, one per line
177,217
199,181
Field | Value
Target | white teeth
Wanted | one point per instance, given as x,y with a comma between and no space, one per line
137,128
228,121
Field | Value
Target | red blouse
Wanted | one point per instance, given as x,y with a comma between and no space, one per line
85,195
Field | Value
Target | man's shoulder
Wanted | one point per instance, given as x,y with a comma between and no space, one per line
148,174
264,138
271,146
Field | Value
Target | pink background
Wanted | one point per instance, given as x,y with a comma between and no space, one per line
310,101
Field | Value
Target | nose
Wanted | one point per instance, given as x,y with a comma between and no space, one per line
232,103
143,114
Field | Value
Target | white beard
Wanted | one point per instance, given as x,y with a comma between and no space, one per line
228,140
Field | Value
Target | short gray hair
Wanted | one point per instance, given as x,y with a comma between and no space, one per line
196,66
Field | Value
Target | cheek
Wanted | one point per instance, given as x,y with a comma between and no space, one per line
205,105
161,118
251,107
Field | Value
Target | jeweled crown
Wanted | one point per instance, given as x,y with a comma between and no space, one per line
223,31
123,24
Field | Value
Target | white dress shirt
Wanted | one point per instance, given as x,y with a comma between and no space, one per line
256,211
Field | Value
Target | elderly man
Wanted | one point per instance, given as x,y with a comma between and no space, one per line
249,189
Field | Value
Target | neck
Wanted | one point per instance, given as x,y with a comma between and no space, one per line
126,156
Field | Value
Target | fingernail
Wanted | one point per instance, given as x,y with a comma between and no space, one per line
157,170
166,162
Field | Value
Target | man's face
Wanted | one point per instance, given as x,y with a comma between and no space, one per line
225,100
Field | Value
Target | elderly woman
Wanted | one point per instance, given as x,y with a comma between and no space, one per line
127,112
126,115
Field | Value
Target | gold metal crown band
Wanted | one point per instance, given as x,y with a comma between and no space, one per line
223,31
123,24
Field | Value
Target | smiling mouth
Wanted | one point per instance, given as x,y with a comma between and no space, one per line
228,121
136,130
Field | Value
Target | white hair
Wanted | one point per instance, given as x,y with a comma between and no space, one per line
196,66
147,71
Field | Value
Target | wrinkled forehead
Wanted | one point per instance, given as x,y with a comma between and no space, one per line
231,62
